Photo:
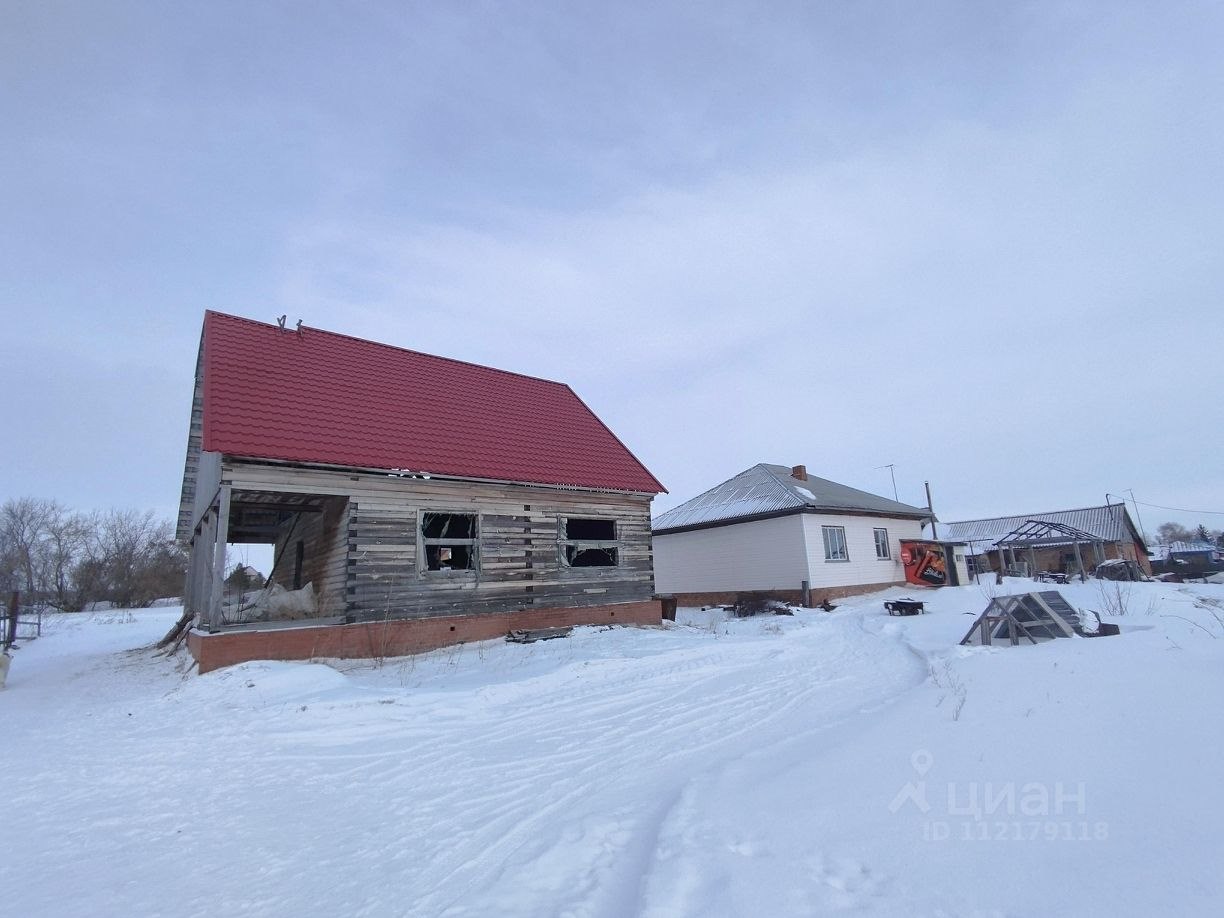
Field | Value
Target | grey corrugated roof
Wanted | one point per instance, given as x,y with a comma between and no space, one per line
1109,523
1195,547
765,489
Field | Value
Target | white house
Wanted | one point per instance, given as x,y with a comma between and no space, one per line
777,530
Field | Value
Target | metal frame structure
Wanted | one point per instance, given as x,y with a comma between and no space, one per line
1036,534
1031,616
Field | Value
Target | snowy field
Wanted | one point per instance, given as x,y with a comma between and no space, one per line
807,765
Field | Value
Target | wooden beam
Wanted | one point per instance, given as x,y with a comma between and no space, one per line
1079,559
285,507
218,572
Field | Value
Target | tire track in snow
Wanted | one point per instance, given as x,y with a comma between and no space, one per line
539,794
640,732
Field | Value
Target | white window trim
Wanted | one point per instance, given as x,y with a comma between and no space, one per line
887,556
845,547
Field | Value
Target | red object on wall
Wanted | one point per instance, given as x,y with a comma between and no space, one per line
925,563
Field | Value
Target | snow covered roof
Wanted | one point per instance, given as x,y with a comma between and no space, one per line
1191,548
321,397
1109,523
770,490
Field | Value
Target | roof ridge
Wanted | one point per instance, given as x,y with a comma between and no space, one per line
769,467
709,490
781,483
393,347
700,495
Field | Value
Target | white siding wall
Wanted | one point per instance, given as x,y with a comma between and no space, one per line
863,566
761,555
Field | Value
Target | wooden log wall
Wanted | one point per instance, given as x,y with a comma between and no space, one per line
189,509
520,542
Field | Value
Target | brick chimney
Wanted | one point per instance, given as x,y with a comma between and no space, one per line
799,471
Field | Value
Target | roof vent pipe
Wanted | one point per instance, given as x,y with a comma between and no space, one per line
799,471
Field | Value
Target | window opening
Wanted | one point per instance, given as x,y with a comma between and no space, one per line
449,540
881,542
835,543
590,542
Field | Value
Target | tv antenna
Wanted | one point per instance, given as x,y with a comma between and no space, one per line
893,475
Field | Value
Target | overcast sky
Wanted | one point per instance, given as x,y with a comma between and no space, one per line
980,241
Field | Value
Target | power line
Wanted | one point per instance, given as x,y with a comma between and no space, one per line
1179,509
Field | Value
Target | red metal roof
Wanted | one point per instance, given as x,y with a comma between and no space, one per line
321,397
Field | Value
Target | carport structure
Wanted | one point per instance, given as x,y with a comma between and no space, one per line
1042,535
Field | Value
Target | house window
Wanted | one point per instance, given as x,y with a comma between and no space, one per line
881,540
835,543
449,541
589,543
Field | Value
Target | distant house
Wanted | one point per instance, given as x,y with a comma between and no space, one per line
425,501
1105,530
1195,554
778,530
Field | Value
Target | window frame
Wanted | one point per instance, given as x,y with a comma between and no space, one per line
825,530
875,533
565,544
424,543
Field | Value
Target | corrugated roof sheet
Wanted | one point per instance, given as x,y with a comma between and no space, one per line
765,489
1109,523
1193,548
323,397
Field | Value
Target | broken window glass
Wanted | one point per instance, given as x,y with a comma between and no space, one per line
590,542
449,541
576,556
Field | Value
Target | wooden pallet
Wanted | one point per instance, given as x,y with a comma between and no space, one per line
531,635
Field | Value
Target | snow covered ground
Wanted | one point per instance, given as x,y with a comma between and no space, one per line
807,765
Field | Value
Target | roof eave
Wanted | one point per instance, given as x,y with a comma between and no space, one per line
424,474
787,511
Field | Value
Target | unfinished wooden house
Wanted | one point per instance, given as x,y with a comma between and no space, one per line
425,501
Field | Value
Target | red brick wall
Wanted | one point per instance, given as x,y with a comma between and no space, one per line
398,637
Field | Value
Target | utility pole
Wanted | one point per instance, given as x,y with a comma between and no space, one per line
931,507
1138,518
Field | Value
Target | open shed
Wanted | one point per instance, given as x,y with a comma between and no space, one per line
1109,525
1046,544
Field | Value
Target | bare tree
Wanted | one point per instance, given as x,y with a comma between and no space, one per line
68,559
23,524
66,542
1168,533
137,558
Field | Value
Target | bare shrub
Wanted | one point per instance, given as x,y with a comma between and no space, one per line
1115,597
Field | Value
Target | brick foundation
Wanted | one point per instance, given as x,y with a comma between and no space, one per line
401,636
816,595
